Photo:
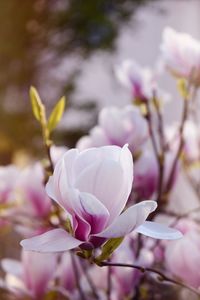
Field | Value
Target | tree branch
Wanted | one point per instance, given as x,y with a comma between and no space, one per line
161,276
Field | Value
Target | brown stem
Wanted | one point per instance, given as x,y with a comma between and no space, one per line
109,283
180,147
89,279
77,277
48,150
152,136
161,276
161,158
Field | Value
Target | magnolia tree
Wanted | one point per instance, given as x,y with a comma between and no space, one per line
89,230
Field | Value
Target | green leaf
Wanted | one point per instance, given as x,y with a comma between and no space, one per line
56,114
37,106
109,247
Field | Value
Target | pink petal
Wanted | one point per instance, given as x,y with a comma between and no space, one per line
159,231
129,220
94,212
57,240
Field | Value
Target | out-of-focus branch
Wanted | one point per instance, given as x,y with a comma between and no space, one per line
180,147
77,277
151,132
185,112
161,277
109,283
89,279
161,158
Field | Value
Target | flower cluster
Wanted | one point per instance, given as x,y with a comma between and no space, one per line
98,220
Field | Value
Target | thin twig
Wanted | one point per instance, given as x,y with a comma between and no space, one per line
161,276
89,279
76,274
181,143
109,283
161,161
152,136
48,149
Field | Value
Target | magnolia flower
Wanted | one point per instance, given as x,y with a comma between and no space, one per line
183,257
118,126
57,152
31,192
32,276
192,141
181,55
146,175
139,80
8,178
93,186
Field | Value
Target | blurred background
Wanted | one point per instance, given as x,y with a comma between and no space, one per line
70,47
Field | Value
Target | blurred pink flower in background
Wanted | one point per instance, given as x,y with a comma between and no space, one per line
146,175
118,126
65,272
31,192
182,257
192,141
8,178
140,81
181,55
57,152
32,276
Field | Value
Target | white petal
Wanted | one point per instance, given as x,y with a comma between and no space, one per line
159,231
129,220
57,240
12,266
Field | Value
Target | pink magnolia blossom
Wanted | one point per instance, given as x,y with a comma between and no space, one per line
181,54
8,178
139,80
31,192
32,276
57,152
146,175
118,126
192,141
183,257
93,186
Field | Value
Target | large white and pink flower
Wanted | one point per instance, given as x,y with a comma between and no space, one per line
93,187
181,54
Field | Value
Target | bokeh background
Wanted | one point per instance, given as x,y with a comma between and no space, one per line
71,47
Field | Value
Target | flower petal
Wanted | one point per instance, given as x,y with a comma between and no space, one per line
94,212
60,182
129,220
102,179
109,178
159,231
56,240
12,266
